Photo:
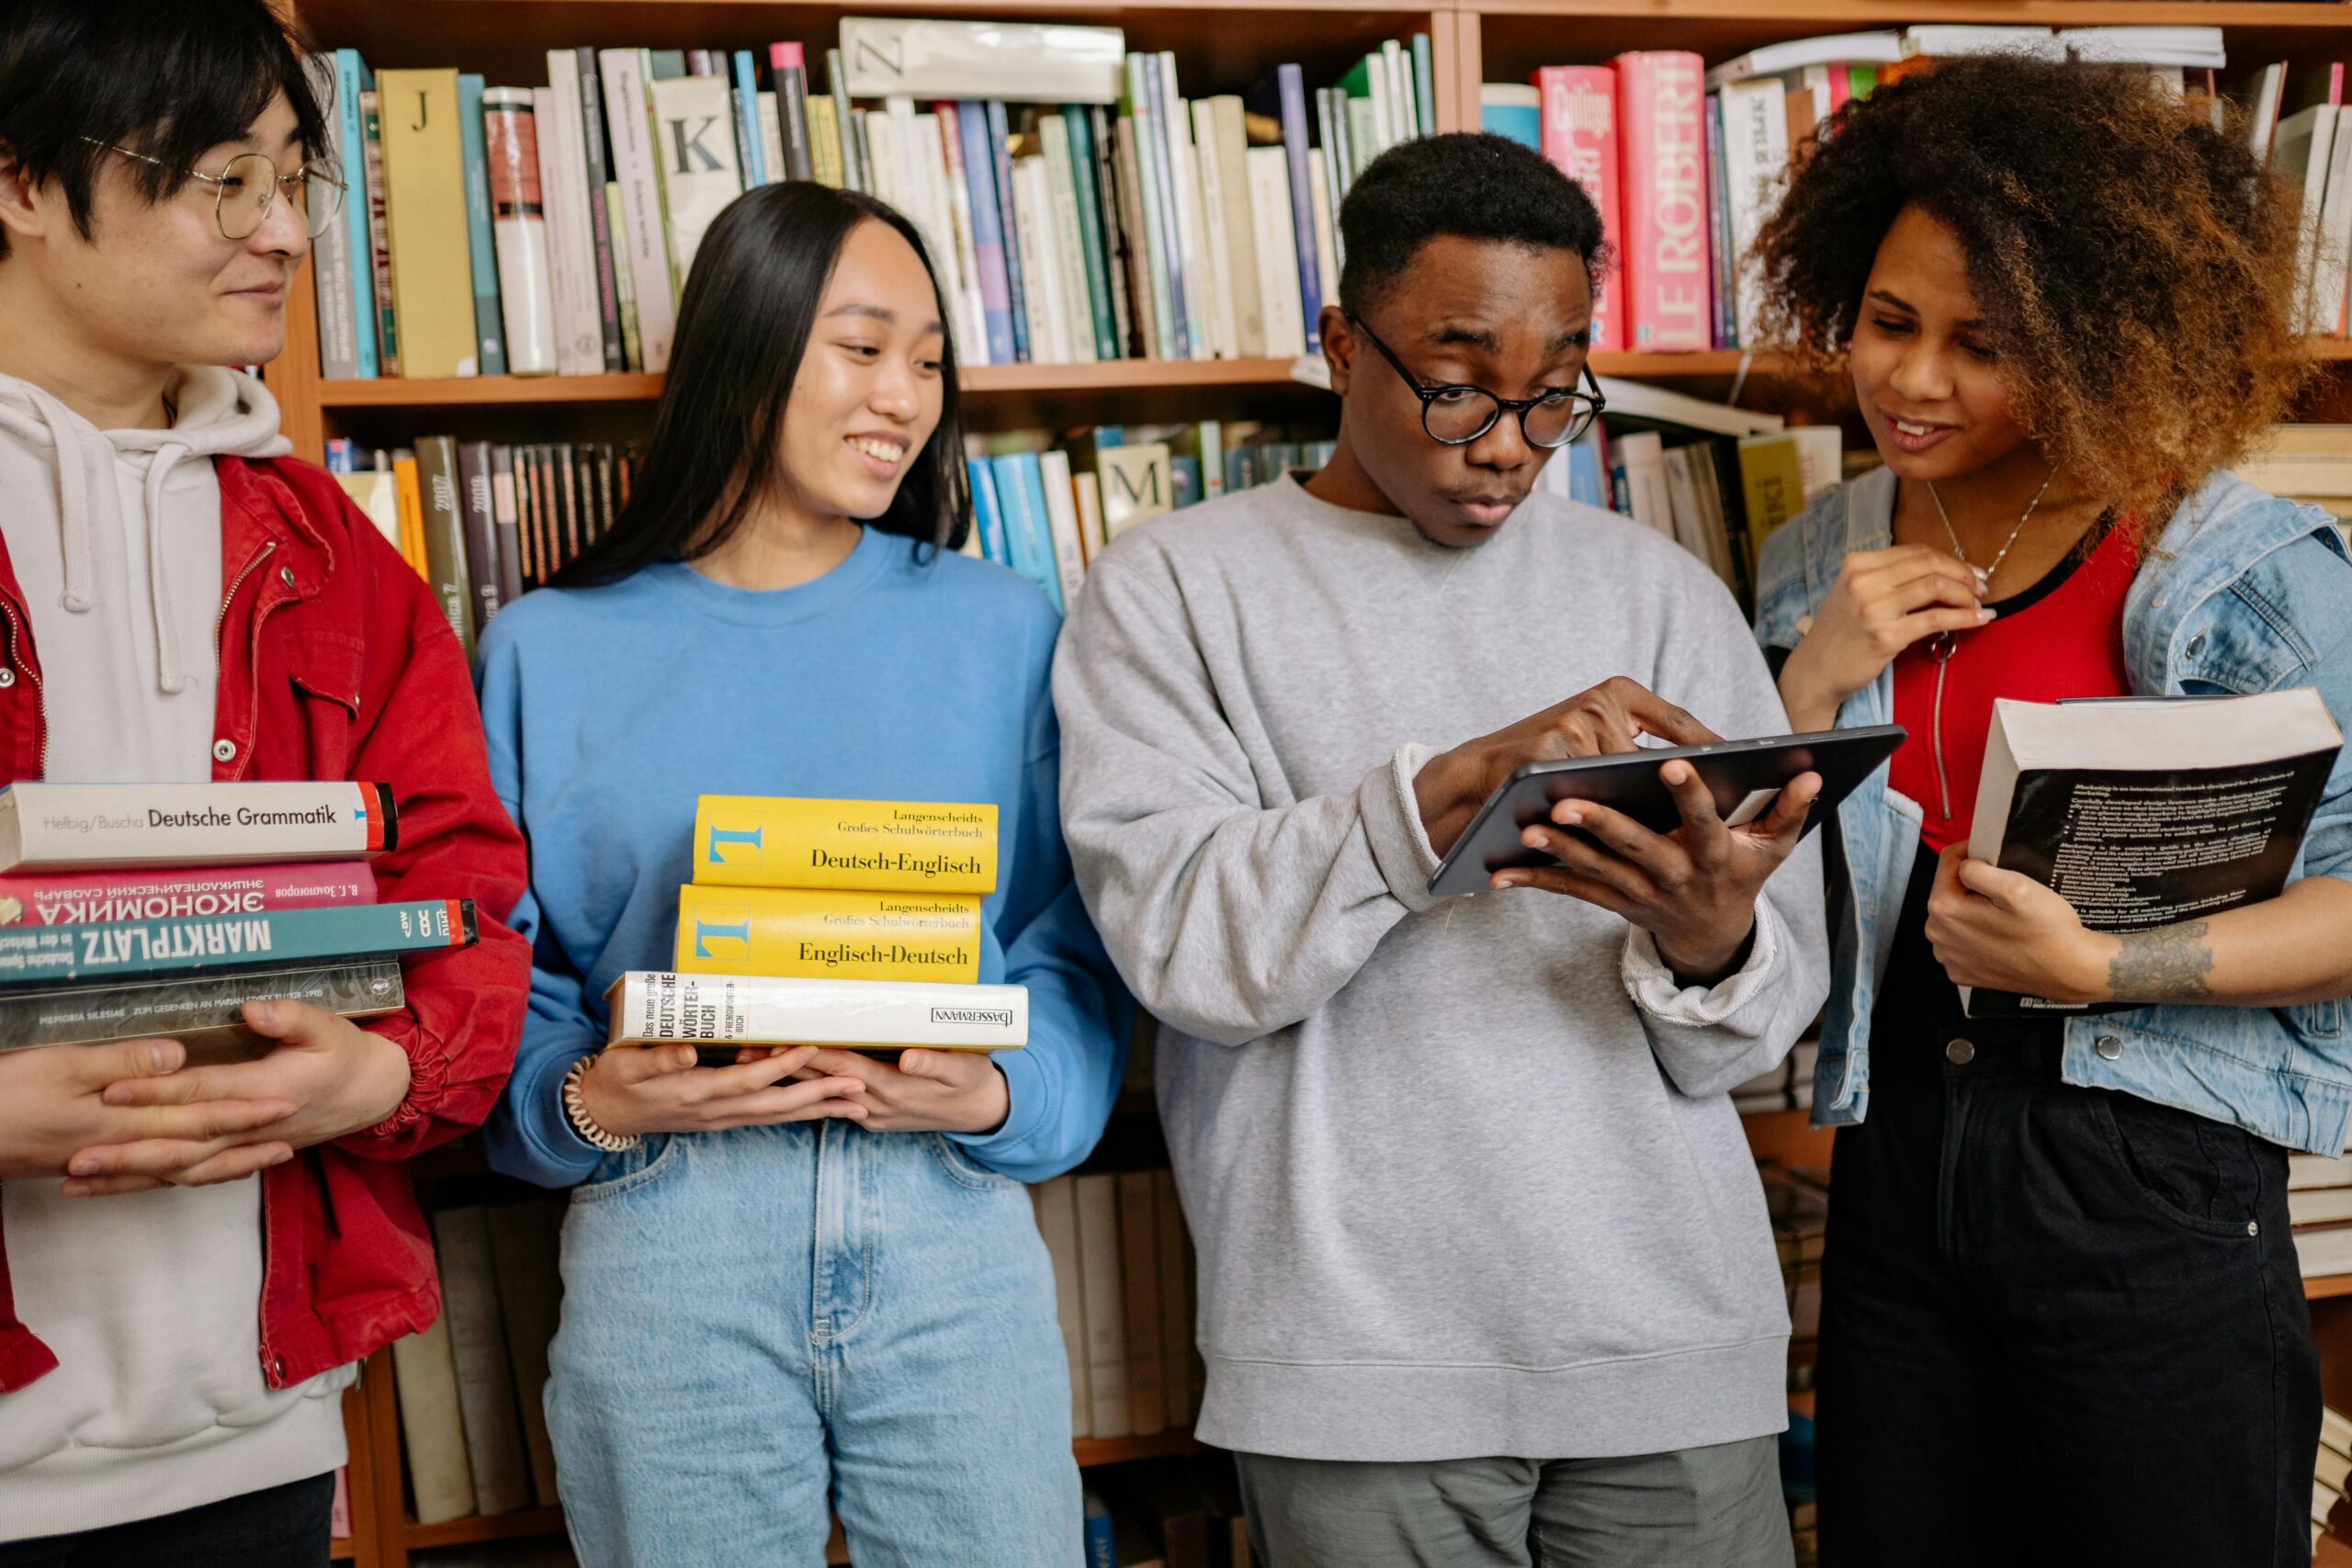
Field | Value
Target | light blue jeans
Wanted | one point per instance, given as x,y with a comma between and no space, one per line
762,1322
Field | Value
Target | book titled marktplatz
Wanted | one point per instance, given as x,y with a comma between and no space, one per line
2146,812
135,909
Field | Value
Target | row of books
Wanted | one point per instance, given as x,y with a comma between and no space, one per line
482,522
473,1423
2331,1510
1075,205
2300,123
1177,1513
129,910
1123,1281
2310,463
1687,163
2318,1206
1797,1199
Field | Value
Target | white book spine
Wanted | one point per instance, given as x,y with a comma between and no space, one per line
1756,156
1056,1205
771,138
1226,344
700,177
1404,117
1069,249
1061,517
882,155
1088,489
519,232
554,194
432,1430
644,240
70,827
1382,133
1270,227
1200,298
583,320
926,163
1106,1318
1231,145
915,193
972,326
1319,206
1041,289
654,1007
2329,267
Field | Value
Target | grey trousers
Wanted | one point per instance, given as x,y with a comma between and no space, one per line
1709,1507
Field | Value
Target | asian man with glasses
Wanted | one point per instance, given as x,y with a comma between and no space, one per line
195,1257
1485,1273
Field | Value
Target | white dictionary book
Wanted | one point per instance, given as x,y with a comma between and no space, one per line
1277,257
693,120
1026,62
645,247
657,1008
518,228
83,827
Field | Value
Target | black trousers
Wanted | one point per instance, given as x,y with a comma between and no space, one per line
279,1527
2060,1325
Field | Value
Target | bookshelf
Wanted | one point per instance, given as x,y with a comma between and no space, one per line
1223,45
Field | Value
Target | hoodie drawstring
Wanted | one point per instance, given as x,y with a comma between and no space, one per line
169,675
73,440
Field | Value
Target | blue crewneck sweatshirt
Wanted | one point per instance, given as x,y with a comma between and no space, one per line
899,675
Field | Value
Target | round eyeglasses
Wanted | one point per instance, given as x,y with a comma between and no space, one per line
245,191
1457,415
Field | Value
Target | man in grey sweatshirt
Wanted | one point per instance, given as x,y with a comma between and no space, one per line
1486,1276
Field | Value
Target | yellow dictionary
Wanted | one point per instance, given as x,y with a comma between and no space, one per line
1773,479
828,933
897,846
425,214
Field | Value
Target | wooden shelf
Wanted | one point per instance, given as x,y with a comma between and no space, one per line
2319,1287
1093,1451
340,1550
516,1526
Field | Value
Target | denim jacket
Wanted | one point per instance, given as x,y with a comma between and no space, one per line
2243,593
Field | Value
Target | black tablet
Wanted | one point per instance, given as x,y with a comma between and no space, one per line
1743,776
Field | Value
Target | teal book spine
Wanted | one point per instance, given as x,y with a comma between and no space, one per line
132,949
987,516
1092,238
489,322
1040,524
350,77
1424,84
1024,531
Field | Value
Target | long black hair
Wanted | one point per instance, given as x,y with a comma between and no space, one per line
743,324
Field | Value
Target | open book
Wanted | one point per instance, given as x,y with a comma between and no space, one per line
2143,812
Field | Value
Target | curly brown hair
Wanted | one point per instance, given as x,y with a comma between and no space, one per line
2135,268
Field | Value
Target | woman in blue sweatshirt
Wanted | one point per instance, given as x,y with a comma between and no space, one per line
805,1278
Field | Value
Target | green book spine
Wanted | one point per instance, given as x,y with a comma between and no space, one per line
196,943
489,329
1090,237
437,480
1135,105
1425,84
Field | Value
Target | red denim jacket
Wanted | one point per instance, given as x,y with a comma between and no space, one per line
336,664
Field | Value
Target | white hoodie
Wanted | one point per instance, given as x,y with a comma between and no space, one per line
152,1301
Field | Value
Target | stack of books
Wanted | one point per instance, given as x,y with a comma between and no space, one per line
129,910
2319,1204
2310,463
1077,205
1686,163
847,923
1124,1282
470,1388
1797,1199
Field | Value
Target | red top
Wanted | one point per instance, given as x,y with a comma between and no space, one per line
336,664
2062,638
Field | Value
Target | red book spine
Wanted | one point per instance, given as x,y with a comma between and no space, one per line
1581,139
90,898
1660,122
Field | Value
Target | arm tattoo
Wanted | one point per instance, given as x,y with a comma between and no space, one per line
2168,964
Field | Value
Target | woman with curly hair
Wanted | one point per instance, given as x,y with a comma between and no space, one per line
2062,1319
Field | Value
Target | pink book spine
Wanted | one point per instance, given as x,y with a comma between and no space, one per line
1667,268
92,898
1581,139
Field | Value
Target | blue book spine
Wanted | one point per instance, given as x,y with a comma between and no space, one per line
1024,531
988,229
1040,524
343,456
1291,83
1185,480
1520,122
490,327
747,121
1584,475
1719,225
349,79
1001,169
987,516
1424,84
185,943
1162,141
1101,1546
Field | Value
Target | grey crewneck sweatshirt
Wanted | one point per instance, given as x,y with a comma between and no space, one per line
1463,1175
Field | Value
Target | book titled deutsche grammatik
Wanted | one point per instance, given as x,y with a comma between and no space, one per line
900,846
654,1008
204,1012
2146,812
80,826
118,949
